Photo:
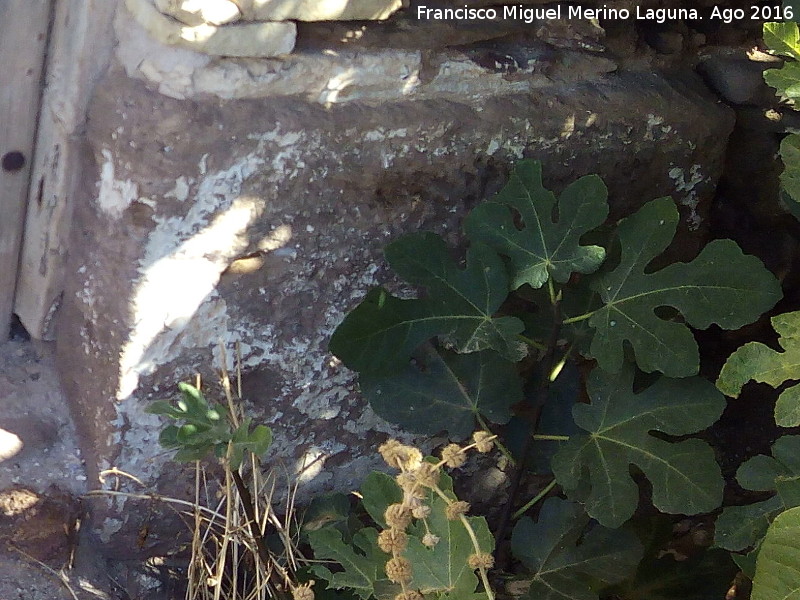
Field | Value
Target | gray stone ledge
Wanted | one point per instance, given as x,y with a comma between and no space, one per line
248,39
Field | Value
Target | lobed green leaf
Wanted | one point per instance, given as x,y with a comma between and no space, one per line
382,332
619,424
547,242
565,559
444,391
721,285
740,527
758,362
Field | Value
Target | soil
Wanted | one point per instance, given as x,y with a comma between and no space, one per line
43,555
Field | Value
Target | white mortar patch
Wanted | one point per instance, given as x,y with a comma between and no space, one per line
114,195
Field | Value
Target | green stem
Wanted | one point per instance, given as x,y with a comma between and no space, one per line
550,438
582,317
534,500
503,450
551,288
531,342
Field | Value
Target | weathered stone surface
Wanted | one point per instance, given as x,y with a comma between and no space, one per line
249,39
347,75
408,33
317,10
198,12
262,222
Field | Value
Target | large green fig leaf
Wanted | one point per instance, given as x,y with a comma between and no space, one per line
721,285
444,391
740,527
545,245
777,573
763,364
562,568
361,564
381,333
619,425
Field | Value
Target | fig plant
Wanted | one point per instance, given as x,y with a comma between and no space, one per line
536,287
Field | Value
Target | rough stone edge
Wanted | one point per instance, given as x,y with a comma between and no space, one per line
378,75
257,40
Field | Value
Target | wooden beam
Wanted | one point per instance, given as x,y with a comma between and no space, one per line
80,48
23,42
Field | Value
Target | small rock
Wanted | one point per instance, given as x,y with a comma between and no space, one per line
737,79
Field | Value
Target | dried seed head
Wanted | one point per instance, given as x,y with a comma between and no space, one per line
430,540
398,569
427,475
398,516
389,450
421,511
407,482
482,441
399,456
478,561
392,541
409,595
303,592
453,456
454,510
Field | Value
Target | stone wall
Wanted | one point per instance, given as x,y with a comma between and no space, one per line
245,201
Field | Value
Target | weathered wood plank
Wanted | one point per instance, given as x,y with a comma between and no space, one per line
23,40
80,48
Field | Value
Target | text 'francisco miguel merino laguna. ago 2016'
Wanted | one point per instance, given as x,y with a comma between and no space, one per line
531,14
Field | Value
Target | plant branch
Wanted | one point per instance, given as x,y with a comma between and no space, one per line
532,343
541,437
503,450
548,363
534,500
582,317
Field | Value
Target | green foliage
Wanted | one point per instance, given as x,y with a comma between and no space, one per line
440,390
741,527
440,571
721,286
619,424
784,39
758,362
777,573
361,562
566,560
543,247
204,428
446,361
381,334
